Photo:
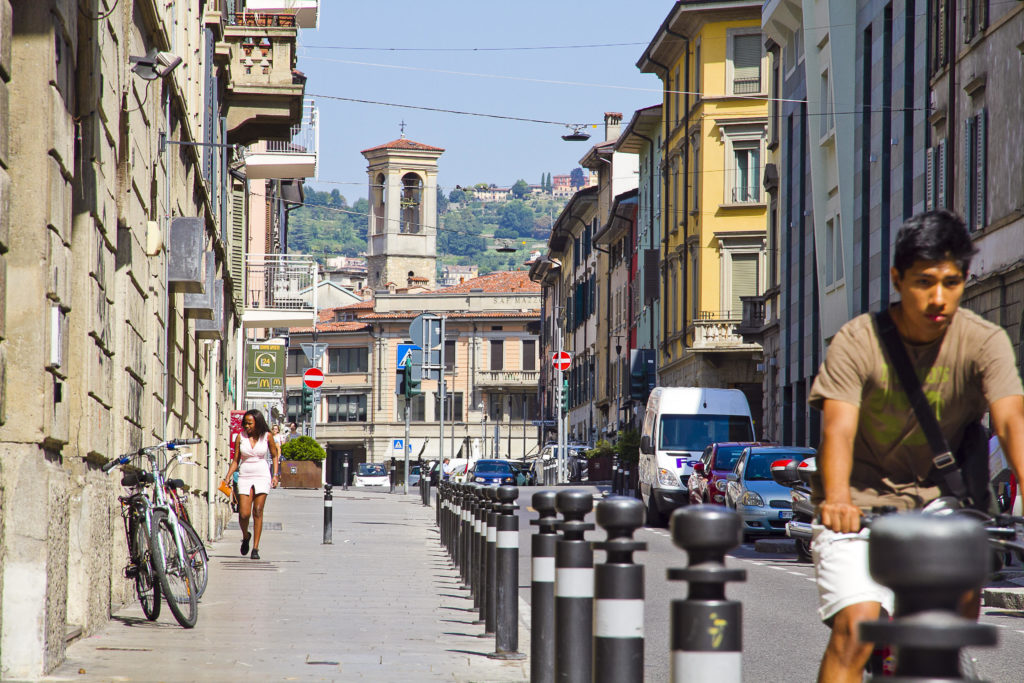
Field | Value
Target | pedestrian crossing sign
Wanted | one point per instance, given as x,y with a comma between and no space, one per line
396,444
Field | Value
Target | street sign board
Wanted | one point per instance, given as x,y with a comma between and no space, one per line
264,369
313,378
396,444
561,360
425,330
406,349
313,352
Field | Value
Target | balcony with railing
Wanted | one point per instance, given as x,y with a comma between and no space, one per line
305,13
717,331
507,378
746,195
279,290
295,157
264,92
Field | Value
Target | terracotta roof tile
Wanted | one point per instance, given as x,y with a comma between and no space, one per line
509,281
347,326
404,143
534,313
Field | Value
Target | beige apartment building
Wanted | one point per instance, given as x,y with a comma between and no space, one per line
122,231
491,373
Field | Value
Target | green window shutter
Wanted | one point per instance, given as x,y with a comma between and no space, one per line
744,281
929,179
968,172
979,157
236,249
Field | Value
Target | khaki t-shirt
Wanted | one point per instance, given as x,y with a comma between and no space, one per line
961,373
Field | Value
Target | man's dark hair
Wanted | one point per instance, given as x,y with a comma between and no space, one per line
933,236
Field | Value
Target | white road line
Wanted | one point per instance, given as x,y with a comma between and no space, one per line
779,569
1020,631
811,578
797,573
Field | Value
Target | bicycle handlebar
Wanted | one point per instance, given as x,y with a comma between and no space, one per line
184,442
120,460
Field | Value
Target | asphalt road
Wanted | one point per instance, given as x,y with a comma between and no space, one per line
782,636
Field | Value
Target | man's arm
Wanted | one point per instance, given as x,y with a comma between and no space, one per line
1008,423
835,462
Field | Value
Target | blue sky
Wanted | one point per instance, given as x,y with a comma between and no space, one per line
477,149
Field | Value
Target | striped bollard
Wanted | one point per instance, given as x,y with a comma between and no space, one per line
706,629
491,565
574,589
467,546
507,589
457,526
619,594
615,478
542,589
479,547
486,503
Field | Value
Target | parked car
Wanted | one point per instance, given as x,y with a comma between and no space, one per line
414,475
708,482
576,460
492,472
764,504
371,474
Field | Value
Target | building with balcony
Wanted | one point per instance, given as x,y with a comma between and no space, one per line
491,361
715,211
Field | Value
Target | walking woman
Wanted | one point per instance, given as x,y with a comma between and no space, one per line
255,450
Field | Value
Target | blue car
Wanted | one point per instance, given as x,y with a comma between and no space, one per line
764,505
491,473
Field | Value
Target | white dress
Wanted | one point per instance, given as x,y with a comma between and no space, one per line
253,469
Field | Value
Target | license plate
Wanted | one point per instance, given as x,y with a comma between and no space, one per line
785,514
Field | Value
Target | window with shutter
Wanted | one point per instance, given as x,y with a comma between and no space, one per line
981,191
969,174
840,268
652,282
744,281
830,245
236,250
929,179
746,61
940,175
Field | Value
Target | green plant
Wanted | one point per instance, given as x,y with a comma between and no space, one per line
303,448
601,448
628,446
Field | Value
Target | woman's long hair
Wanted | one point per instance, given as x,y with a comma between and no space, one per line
258,421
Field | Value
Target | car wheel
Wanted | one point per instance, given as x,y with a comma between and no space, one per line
803,551
653,516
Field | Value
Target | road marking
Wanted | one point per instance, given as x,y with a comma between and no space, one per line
779,569
797,573
811,578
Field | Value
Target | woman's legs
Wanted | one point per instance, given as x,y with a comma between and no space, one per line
259,500
244,512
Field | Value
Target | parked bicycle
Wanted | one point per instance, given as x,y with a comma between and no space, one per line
168,560
195,549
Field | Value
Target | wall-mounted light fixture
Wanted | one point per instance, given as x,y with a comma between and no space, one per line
155,64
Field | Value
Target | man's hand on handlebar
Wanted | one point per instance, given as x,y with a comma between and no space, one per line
842,517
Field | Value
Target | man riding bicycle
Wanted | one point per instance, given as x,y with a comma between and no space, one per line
874,452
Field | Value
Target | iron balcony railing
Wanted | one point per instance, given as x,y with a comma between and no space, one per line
279,282
746,195
305,136
507,377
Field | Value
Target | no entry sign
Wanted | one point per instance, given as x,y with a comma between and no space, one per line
561,360
313,378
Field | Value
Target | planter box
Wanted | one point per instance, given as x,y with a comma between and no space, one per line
301,474
600,468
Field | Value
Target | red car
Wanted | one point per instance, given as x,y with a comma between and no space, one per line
707,483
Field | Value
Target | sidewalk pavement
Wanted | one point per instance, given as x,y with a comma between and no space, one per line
382,603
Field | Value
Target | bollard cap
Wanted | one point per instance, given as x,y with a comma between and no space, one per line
706,528
574,503
507,494
928,552
620,516
544,503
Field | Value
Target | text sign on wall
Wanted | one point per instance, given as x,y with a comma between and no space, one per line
264,368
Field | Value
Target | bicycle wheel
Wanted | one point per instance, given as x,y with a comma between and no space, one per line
177,580
197,555
147,588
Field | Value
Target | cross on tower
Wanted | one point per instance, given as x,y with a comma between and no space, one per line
401,127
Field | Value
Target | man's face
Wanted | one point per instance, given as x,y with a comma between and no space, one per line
930,293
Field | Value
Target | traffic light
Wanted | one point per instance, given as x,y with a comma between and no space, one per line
307,400
412,382
565,396
643,374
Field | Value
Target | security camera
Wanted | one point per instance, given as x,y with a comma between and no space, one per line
155,64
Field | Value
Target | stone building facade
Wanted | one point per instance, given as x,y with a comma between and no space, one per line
116,280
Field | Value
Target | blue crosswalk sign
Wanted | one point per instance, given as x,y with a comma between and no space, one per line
397,444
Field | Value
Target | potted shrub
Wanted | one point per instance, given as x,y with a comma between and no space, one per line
599,465
303,462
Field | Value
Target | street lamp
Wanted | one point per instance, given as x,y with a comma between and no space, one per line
577,135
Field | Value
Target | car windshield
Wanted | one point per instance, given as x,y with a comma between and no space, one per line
759,465
492,467
369,469
726,457
695,432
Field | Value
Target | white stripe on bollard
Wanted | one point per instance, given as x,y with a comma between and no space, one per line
544,569
706,667
618,618
507,539
574,582
492,534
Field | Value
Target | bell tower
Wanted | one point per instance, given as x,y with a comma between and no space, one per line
401,244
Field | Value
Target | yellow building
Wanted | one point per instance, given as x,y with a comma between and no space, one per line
711,60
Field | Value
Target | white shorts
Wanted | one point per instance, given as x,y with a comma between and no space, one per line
841,563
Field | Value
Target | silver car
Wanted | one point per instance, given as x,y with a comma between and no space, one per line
764,505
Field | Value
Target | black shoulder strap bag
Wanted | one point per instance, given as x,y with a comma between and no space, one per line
969,484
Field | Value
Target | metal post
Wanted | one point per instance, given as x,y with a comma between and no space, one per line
542,589
927,627
712,654
328,516
393,472
574,589
405,447
441,394
491,602
619,595
507,588
509,454
344,467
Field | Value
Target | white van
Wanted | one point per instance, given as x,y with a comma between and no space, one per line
679,423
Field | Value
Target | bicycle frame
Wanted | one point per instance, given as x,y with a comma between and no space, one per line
160,501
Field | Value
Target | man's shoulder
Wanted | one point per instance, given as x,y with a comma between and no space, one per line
857,328
972,324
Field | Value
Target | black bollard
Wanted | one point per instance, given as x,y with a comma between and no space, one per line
706,629
619,595
615,478
328,516
491,565
474,547
480,604
506,637
392,475
929,562
456,522
467,534
574,589
626,490
344,468
542,589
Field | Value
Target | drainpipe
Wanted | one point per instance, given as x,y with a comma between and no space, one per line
664,197
951,13
212,362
